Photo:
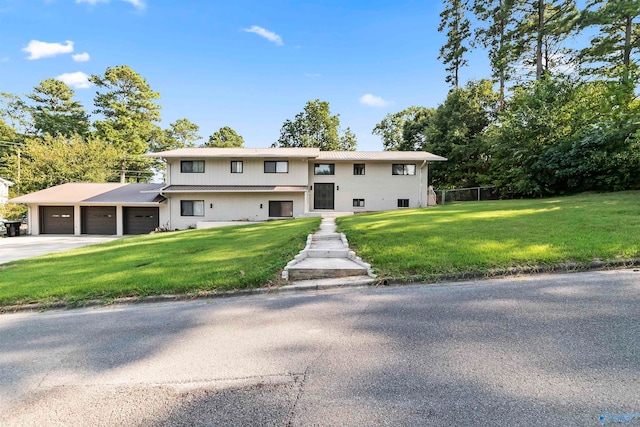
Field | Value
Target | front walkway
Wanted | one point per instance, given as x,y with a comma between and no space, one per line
326,255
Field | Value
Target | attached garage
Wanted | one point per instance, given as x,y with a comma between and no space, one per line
139,220
99,220
56,219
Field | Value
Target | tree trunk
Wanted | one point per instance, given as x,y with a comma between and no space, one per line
122,173
539,40
503,65
626,60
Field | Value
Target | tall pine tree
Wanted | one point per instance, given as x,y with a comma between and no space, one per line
458,30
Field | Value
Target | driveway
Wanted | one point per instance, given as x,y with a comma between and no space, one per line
15,248
530,351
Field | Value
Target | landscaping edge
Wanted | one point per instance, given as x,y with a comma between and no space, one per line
294,288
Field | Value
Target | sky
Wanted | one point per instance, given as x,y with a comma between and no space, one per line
249,65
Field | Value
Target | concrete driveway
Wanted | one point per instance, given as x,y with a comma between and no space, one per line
15,248
529,351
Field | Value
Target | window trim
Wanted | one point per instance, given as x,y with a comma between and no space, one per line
276,166
183,162
241,162
401,203
356,203
363,169
404,169
332,169
182,202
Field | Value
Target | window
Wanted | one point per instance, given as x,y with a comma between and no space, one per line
281,208
192,207
403,203
192,166
402,169
358,169
276,167
236,166
358,203
324,169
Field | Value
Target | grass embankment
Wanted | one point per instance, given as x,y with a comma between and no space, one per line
191,261
488,238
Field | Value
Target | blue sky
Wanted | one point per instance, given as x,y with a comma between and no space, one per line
246,64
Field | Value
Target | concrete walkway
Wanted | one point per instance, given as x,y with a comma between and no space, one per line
327,256
15,248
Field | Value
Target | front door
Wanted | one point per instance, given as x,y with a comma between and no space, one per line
323,196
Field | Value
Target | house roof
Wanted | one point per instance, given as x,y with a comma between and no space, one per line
379,156
206,152
93,193
232,188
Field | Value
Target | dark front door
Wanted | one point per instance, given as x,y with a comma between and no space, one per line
323,196
99,220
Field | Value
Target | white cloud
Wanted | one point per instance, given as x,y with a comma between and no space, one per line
139,4
37,49
373,101
77,80
272,37
81,57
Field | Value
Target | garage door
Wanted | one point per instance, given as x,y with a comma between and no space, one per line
140,220
98,220
56,219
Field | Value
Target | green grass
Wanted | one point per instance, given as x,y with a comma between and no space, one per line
214,259
480,237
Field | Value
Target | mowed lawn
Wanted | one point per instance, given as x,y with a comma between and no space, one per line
481,237
176,262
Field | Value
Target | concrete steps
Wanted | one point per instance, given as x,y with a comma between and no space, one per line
326,256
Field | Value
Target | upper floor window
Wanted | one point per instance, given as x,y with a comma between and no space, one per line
276,167
324,169
236,166
358,169
403,169
192,166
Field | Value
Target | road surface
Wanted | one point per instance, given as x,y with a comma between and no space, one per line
540,350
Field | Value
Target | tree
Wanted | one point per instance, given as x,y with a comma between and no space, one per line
181,134
543,25
225,137
55,112
129,109
458,31
456,131
497,37
49,161
613,48
402,131
316,127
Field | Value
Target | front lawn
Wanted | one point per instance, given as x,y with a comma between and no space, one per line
480,237
177,262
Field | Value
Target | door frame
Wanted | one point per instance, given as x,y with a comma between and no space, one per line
333,195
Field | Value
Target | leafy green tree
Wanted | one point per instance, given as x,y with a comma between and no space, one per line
225,137
181,134
315,126
403,131
456,131
54,111
612,49
458,31
129,112
543,26
49,161
14,113
496,35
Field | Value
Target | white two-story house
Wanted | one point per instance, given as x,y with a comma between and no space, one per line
243,184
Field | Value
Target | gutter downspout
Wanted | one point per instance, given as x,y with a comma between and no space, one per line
420,193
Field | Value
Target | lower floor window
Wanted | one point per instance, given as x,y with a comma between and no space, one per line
403,203
281,208
358,203
192,207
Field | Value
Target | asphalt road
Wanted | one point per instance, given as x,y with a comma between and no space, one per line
545,350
